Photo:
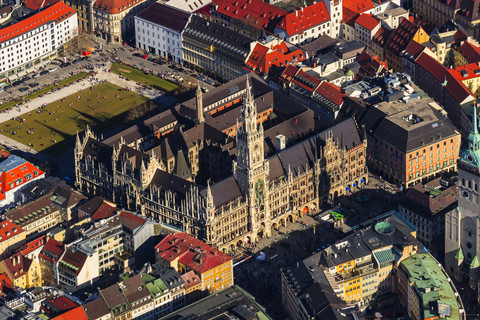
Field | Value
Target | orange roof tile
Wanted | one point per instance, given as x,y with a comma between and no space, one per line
465,72
191,252
9,229
262,58
33,245
304,19
5,282
331,92
58,11
114,6
77,314
39,4
470,52
367,21
358,6
15,171
17,265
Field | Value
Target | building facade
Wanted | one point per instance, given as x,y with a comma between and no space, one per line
159,29
33,42
271,184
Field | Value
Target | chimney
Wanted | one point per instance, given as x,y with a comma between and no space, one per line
302,8
296,13
280,142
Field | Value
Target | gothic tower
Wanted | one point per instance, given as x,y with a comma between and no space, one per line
462,238
199,103
250,168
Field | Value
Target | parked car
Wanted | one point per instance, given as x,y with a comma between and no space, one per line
44,72
52,69
23,89
26,79
8,86
17,83
33,85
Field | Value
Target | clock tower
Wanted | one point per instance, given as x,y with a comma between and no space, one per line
250,168
462,226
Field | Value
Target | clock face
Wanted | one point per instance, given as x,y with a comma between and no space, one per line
259,189
465,194
470,158
256,147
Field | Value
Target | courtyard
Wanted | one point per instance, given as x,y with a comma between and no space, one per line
52,127
142,77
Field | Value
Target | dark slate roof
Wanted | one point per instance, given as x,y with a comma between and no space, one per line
134,155
99,151
319,45
96,309
276,169
166,16
170,277
224,191
386,122
169,182
212,33
92,205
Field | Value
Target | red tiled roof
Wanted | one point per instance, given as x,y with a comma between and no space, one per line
77,314
349,17
358,6
367,21
52,250
331,92
402,36
465,72
58,305
289,73
17,264
262,58
19,175
131,220
382,36
370,65
106,210
4,154
191,279
191,252
8,229
58,11
254,12
33,245
73,258
39,4
456,88
460,35
5,282
304,19
306,81
470,52
414,48
114,6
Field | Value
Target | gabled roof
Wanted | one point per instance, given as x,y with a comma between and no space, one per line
191,279
402,36
358,6
58,305
73,261
5,282
382,36
52,250
370,65
455,87
17,265
306,81
349,17
256,13
331,92
465,72
106,210
165,16
33,211
305,18
131,220
224,191
96,309
289,73
16,171
262,58
57,12
367,21
414,49
191,252
470,52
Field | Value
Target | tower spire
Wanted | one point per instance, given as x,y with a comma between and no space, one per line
249,103
474,124
199,103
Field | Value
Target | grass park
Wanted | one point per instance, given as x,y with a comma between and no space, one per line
44,90
142,77
53,128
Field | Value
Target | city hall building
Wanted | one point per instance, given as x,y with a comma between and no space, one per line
177,166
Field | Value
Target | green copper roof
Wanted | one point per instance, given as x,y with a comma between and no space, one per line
384,256
475,263
432,286
471,154
459,255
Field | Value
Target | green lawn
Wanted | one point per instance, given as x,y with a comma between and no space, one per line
53,129
139,76
52,87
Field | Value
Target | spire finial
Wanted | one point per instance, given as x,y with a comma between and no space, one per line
474,124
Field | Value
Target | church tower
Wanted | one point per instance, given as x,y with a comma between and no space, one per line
462,238
250,168
199,103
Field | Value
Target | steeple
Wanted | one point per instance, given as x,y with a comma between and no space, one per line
199,103
249,109
471,154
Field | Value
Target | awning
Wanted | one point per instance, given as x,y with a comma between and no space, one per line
362,181
347,188
354,184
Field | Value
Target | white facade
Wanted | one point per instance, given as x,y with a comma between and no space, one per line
37,46
365,35
335,9
158,39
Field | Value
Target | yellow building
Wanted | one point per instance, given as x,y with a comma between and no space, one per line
469,74
12,237
23,272
184,253
398,41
